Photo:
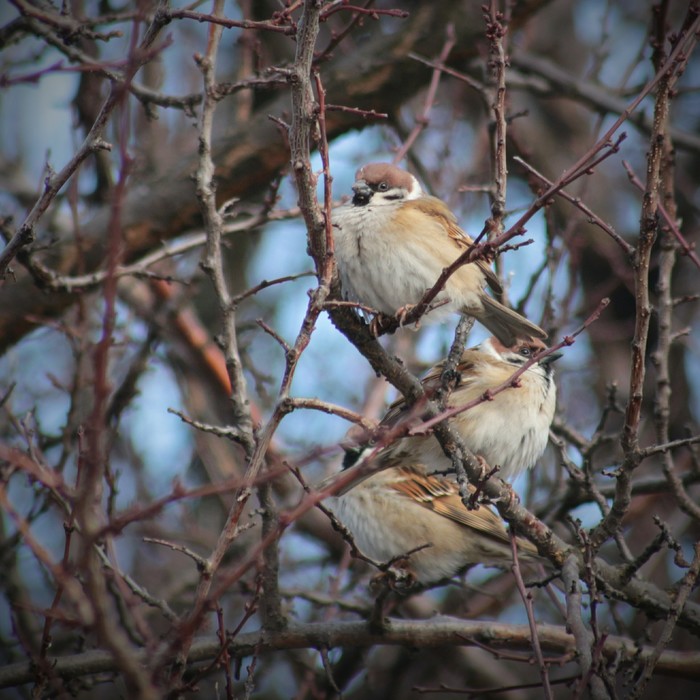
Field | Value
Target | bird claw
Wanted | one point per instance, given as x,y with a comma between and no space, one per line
382,322
403,311
396,578
377,324
484,475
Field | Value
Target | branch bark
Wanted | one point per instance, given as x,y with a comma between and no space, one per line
440,631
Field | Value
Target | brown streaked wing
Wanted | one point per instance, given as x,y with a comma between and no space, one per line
437,209
420,486
441,495
484,520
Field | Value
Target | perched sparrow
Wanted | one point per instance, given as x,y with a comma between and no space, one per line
404,506
392,243
510,430
404,511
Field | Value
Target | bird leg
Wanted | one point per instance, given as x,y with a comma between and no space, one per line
382,322
403,311
395,577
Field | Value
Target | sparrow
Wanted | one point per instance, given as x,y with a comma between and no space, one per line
400,507
393,241
509,430
419,521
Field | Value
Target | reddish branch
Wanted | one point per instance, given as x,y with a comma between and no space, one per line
665,78
671,221
593,218
423,121
529,608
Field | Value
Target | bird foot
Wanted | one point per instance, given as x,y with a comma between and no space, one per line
378,324
403,311
395,578
484,468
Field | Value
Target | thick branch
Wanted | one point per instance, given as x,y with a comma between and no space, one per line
437,632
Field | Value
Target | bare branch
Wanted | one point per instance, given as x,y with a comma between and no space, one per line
439,631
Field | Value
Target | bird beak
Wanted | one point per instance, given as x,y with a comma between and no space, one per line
546,361
363,193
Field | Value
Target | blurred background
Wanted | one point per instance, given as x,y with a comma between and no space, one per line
574,67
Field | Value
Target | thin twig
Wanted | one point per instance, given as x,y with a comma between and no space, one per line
684,589
423,121
582,635
201,562
666,77
527,601
670,220
213,265
512,381
593,218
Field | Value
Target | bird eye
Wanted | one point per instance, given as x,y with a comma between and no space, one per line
525,351
383,186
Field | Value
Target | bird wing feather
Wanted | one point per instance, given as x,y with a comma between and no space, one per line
437,209
441,495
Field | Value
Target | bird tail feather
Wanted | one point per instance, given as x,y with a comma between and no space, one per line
508,325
